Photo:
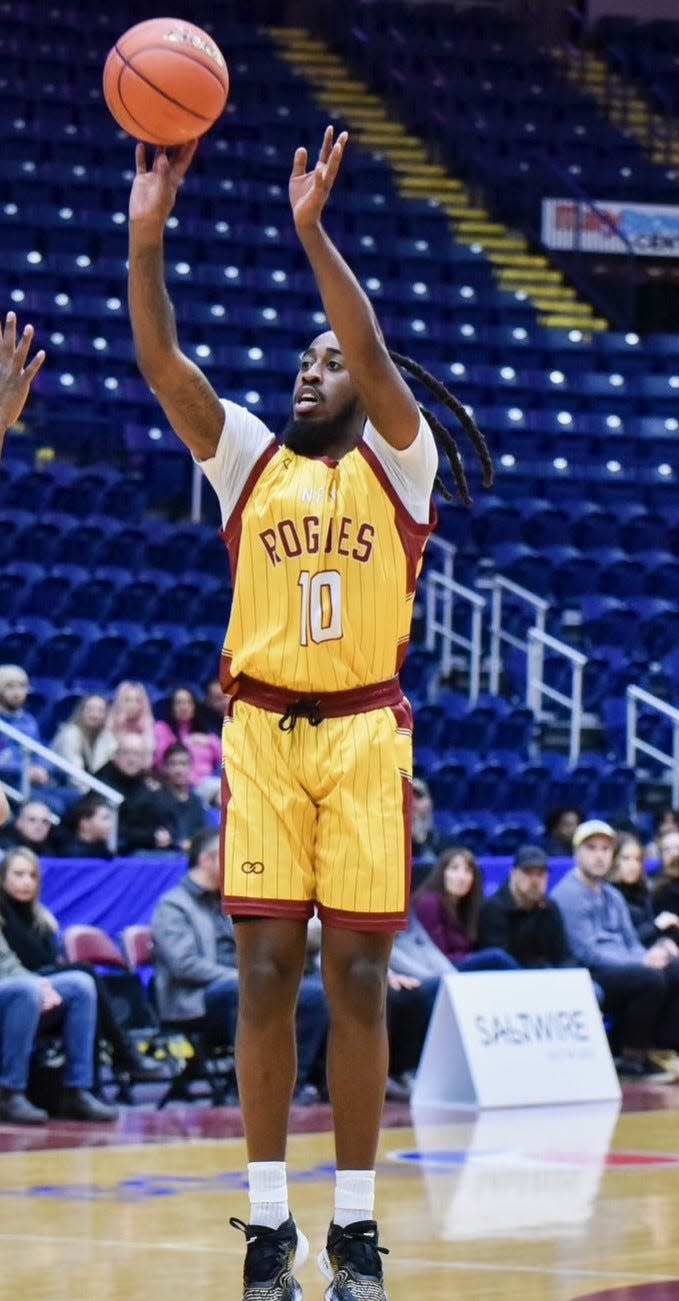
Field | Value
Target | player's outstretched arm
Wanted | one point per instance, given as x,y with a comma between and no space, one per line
16,376
186,396
385,396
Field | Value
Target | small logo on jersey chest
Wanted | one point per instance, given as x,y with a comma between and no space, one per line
318,495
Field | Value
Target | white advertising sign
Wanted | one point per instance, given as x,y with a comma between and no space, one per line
515,1038
648,229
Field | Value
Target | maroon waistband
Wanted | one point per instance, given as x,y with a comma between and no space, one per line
329,704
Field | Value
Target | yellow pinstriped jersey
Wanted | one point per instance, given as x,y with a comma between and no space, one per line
324,558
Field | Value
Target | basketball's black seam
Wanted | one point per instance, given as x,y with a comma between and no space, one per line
152,86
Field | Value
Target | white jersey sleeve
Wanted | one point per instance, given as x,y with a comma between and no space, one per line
412,470
243,439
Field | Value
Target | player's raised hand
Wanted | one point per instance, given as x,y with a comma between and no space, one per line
154,188
309,190
16,376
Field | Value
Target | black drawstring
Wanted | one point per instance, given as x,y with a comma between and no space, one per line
309,709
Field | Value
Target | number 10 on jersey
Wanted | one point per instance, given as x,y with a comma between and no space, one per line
321,601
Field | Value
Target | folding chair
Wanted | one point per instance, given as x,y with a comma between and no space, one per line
133,1010
184,1040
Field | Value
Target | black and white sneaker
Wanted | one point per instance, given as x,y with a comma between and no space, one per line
642,1068
271,1257
351,1260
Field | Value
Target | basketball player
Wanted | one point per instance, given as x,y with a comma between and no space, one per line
15,376
325,534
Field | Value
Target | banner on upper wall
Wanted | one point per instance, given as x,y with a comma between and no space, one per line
649,229
644,10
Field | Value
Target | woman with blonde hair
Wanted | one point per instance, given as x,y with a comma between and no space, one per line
131,712
67,996
32,932
84,739
448,904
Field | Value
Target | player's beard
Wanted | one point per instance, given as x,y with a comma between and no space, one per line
315,436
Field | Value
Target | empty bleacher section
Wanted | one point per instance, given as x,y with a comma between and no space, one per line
103,575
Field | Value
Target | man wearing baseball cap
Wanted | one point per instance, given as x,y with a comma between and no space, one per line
641,986
521,919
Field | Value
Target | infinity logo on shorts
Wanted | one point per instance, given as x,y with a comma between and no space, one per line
252,869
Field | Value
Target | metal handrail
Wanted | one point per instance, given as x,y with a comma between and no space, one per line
498,635
448,552
538,688
440,585
635,744
79,775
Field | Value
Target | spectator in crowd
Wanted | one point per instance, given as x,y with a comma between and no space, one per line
628,875
415,971
186,723
667,819
34,825
4,808
196,971
641,986
175,807
426,843
520,918
448,904
32,932
666,883
560,825
65,1002
84,739
131,712
15,376
416,967
86,829
14,688
214,704
129,773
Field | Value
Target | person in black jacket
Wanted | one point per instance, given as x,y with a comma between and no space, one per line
129,773
666,883
628,875
175,806
33,825
86,829
32,932
522,920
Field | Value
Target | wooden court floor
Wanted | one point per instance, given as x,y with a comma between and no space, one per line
541,1204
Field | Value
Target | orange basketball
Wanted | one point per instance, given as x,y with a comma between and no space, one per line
165,81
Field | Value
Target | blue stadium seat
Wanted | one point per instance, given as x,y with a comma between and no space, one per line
518,829
448,785
102,660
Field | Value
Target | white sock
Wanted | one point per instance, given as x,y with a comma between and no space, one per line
268,1193
354,1196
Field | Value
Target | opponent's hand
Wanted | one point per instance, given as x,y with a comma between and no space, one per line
15,376
309,190
154,190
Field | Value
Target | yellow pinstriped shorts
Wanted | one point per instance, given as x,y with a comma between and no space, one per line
318,815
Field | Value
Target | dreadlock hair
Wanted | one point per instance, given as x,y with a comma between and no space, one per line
442,436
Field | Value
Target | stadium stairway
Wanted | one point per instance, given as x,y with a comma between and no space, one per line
517,270
623,104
